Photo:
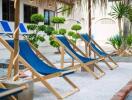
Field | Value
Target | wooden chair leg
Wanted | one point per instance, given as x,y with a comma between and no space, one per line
111,68
73,62
62,57
93,73
112,60
97,66
70,82
57,94
10,66
11,97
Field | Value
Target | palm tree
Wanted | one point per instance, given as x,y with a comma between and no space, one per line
129,16
119,10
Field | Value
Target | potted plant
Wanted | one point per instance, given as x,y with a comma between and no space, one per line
34,37
57,20
74,36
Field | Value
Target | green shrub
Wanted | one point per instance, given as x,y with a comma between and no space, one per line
62,31
32,27
41,28
35,39
49,30
36,18
58,20
116,41
53,42
129,40
71,33
55,32
75,36
76,27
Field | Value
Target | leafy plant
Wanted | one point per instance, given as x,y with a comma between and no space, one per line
42,28
34,37
62,31
74,36
76,27
55,32
57,19
32,27
129,16
53,42
49,30
71,33
119,10
116,41
129,40
36,18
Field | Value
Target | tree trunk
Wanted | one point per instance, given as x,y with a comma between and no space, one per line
119,26
126,27
131,28
90,23
16,37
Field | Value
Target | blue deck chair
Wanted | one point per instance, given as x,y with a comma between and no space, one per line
5,28
40,69
84,61
8,31
23,29
5,93
98,50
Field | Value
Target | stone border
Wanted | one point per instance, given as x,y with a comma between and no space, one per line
121,95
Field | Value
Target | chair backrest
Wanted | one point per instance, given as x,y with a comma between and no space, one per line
22,29
86,37
66,43
6,27
32,59
97,49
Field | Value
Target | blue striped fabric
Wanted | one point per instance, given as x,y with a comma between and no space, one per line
67,44
5,26
100,52
36,63
22,29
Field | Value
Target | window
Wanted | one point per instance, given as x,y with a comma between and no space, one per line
48,14
28,12
8,10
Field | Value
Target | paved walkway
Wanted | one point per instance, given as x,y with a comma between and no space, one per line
90,89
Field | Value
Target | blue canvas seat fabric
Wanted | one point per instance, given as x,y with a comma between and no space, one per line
6,27
28,54
67,44
86,37
22,28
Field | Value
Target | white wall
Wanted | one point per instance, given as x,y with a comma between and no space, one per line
41,8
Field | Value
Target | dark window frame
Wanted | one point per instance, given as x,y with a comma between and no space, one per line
32,10
49,16
8,11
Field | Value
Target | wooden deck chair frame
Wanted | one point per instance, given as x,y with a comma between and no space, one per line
43,79
83,65
23,87
39,54
87,44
